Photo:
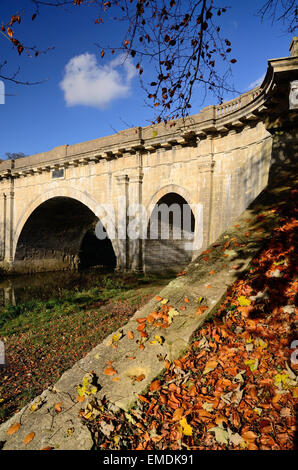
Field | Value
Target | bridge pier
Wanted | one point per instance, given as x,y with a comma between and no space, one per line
6,224
130,218
123,248
136,220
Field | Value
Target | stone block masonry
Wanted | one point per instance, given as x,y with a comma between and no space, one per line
216,162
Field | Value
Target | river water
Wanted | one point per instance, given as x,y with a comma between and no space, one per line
44,286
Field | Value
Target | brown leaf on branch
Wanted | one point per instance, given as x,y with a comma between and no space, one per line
14,19
10,32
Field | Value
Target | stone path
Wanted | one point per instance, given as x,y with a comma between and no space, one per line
64,429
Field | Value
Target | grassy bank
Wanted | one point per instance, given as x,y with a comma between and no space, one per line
43,338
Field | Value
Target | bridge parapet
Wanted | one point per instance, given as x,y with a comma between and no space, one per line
234,105
232,115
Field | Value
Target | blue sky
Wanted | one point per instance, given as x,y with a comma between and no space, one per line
37,118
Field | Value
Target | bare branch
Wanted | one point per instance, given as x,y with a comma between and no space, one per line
283,11
177,45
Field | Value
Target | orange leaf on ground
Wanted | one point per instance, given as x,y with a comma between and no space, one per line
14,428
110,371
201,310
158,298
141,327
155,386
140,378
220,419
249,436
252,447
210,366
211,272
236,419
29,438
130,335
144,399
178,413
204,414
80,399
186,300
277,397
141,320
57,407
152,316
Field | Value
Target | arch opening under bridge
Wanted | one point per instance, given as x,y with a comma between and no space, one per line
170,234
60,234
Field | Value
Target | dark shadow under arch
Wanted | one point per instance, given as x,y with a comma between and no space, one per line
95,252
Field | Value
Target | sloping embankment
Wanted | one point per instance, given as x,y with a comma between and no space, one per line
128,360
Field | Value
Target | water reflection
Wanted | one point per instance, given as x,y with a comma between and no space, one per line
43,286
7,295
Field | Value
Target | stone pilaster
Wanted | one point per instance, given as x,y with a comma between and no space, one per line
122,207
136,220
3,226
207,196
8,255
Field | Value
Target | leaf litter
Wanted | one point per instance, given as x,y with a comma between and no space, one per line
220,395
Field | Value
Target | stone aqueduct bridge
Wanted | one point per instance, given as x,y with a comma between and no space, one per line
216,161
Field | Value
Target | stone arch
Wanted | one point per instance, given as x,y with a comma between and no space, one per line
197,210
169,188
65,196
171,254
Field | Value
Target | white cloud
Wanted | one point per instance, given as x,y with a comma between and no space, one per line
256,83
87,83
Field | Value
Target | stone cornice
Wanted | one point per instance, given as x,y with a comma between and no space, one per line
232,115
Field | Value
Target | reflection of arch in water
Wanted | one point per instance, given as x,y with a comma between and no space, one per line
59,234
7,294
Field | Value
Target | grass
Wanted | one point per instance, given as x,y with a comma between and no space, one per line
43,338
35,313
